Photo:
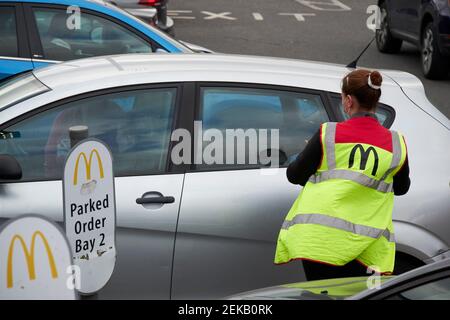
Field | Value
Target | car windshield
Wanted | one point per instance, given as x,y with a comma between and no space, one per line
176,43
20,88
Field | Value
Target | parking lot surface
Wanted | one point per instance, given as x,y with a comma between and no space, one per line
329,30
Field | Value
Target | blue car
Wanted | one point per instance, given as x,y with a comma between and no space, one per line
424,23
36,33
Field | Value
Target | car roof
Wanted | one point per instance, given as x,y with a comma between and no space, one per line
98,4
119,70
340,288
327,289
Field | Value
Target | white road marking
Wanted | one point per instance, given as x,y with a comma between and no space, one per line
299,16
221,15
330,5
174,14
258,16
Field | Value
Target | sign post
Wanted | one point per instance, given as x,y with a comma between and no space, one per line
35,260
90,212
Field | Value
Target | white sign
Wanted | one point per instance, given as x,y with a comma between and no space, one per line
90,212
34,259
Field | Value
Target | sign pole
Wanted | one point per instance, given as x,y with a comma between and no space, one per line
77,134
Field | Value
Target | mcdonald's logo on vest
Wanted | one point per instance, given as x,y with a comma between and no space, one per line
364,157
29,257
88,164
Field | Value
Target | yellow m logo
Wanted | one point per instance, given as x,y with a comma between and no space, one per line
29,256
87,163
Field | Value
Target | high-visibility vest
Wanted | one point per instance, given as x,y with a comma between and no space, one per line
345,210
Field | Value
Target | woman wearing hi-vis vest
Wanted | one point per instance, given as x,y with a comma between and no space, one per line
341,223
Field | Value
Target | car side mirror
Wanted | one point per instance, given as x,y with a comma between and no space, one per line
10,168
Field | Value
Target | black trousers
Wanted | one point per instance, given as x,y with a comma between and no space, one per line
320,271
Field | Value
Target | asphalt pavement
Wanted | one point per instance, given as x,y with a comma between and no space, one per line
328,30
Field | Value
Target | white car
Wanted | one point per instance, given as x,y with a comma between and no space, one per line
218,235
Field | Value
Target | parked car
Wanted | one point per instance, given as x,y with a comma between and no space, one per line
35,33
219,235
430,282
425,24
143,9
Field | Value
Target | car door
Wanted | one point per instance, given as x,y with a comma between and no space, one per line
136,123
231,213
412,18
14,49
56,36
405,17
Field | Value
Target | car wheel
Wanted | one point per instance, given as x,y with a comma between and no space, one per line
434,64
386,43
405,263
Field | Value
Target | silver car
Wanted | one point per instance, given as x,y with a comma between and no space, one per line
218,237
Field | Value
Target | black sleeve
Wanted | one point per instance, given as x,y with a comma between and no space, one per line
307,162
401,180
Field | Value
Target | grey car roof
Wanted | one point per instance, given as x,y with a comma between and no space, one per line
278,292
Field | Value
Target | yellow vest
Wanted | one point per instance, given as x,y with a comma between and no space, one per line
345,210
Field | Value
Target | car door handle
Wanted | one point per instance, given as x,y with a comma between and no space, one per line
149,200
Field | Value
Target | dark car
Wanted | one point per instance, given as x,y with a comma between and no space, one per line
140,8
430,282
424,23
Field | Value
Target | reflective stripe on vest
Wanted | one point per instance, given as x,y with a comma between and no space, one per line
362,179
353,176
340,224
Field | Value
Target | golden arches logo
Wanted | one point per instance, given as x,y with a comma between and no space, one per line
88,163
29,257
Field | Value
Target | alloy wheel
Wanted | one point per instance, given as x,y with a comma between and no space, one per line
427,49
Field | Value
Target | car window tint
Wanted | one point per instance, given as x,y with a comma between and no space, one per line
136,125
384,115
436,290
8,32
95,36
296,116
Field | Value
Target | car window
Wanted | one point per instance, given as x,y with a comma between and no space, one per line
8,32
96,36
385,114
436,290
136,125
296,117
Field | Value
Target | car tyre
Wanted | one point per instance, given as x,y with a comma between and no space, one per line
434,64
386,43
